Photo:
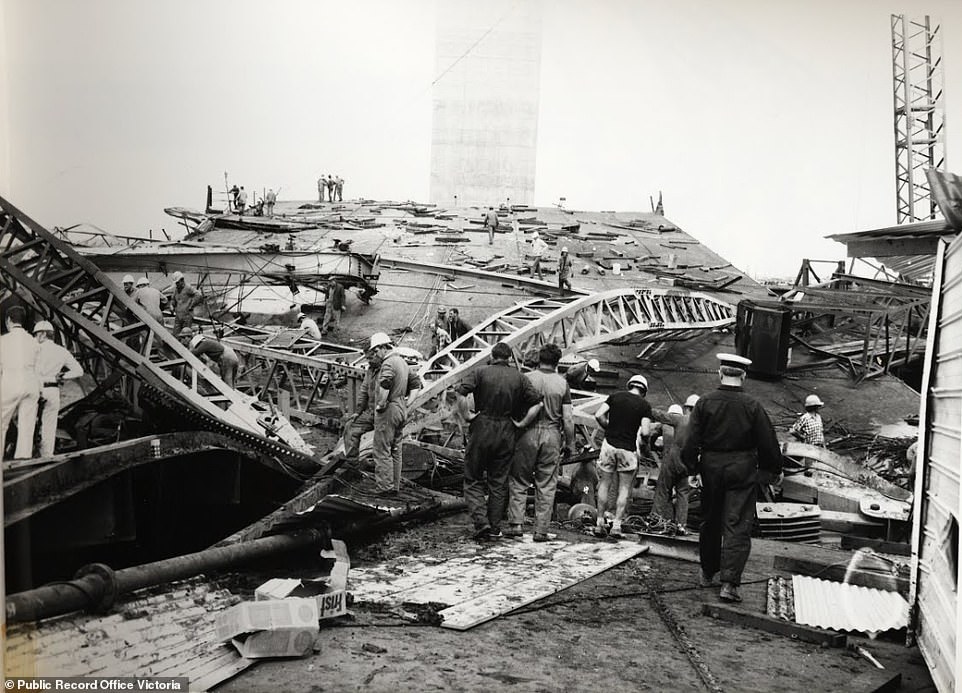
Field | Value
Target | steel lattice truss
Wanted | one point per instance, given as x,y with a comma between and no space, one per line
289,361
919,115
575,323
115,338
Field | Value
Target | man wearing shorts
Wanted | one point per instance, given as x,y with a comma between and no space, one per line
622,415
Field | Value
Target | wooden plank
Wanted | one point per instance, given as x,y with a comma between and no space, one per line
561,575
875,681
743,617
890,547
842,573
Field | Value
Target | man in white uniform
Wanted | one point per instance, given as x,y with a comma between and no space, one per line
54,365
19,390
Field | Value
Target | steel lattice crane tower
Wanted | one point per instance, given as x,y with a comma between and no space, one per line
919,115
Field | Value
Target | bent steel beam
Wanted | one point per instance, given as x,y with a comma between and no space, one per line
109,333
581,322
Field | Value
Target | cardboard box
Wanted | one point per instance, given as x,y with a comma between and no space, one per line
330,603
270,628
328,592
285,642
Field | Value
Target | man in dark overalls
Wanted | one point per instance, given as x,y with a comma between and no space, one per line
734,437
501,394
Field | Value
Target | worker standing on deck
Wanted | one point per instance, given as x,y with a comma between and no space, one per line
321,187
339,188
54,365
395,381
270,199
19,388
330,187
333,306
548,430
456,327
233,193
241,201
564,271
501,394
808,428
150,299
218,352
733,435
184,300
538,249
439,331
309,324
670,516
362,421
579,375
490,224
623,416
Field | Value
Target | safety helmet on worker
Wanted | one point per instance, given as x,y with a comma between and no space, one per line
564,249
196,339
43,326
143,281
675,409
176,277
128,279
301,316
594,365
813,401
380,339
691,401
638,381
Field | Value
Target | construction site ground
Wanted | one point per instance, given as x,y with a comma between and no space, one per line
605,633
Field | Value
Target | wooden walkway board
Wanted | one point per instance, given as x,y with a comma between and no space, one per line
487,582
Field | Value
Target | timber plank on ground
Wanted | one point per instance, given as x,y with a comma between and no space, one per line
490,581
743,617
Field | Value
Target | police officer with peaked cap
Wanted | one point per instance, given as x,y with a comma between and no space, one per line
730,437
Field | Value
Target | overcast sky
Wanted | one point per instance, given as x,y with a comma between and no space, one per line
767,125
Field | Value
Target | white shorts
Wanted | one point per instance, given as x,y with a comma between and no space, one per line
614,459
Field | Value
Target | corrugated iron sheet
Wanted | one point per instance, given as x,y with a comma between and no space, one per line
840,606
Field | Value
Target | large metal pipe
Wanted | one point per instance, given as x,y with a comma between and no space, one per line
97,586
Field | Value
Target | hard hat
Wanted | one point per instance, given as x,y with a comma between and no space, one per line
639,381
380,339
143,281
564,249
535,235
301,316
594,365
692,399
42,326
196,339
442,309
128,279
814,401
675,409
176,277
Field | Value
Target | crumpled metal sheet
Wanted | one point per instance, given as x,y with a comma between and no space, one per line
841,606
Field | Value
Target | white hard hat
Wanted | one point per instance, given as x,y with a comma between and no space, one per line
42,326
638,380
675,409
564,249
814,401
594,365
176,277
379,339
691,401
734,360
196,339
535,235
143,281
128,279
